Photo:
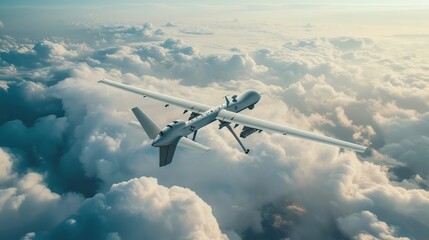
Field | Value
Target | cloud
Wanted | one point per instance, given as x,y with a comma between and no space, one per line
6,172
125,59
406,141
1,24
27,101
41,53
365,225
140,208
26,204
112,35
196,32
170,24
175,60
46,49
349,43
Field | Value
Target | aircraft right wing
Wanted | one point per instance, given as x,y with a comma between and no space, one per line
186,104
227,116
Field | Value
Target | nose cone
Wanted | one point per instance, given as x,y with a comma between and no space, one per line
252,95
258,96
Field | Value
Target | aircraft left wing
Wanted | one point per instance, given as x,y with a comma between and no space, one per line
186,104
227,116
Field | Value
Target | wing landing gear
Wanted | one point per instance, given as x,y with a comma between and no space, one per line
246,150
195,135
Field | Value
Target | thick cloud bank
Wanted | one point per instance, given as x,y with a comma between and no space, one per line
67,154
141,209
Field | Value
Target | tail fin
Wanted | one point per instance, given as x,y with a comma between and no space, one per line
166,154
151,129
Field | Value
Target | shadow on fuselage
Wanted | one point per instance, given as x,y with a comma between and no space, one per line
169,134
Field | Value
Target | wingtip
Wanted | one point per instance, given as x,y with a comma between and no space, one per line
104,80
363,150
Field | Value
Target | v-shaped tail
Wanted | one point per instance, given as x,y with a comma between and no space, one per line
151,129
166,154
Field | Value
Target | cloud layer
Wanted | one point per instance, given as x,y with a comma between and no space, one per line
69,158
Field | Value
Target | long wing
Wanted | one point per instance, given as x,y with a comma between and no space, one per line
188,105
228,116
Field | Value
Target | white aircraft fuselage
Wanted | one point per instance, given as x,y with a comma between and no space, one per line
178,128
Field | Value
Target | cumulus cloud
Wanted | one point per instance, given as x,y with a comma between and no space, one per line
66,135
140,208
6,172
345,43
406,141
365,225
27,204
41,53
27,101
108,35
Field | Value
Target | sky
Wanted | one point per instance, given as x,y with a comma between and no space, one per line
72,168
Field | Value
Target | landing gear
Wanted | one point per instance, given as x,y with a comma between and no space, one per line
246,150
195,135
